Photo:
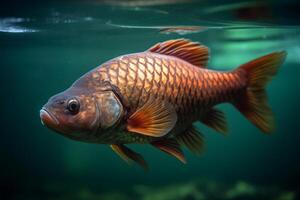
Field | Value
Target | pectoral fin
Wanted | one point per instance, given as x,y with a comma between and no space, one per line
155,118
129,155
171,147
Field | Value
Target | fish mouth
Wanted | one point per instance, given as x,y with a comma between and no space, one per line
48,119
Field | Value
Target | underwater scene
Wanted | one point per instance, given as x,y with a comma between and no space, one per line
47,45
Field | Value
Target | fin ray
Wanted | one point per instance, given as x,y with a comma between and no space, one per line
253,103
129,155
192,139
170,146
184,49
155,118
215,119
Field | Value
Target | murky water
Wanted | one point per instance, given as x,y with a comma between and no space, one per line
44,48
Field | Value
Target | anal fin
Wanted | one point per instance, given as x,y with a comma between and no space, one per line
170,146
129,155
192,139
215,119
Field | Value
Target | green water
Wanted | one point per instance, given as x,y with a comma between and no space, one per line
46,47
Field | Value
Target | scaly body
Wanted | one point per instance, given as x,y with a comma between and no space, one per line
190,89
155,96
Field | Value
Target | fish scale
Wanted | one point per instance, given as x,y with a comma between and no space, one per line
188,87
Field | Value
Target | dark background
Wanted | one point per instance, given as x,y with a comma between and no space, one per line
58,41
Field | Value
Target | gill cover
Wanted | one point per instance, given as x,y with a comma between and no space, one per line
109,107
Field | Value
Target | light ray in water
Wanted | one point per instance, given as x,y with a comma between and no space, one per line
185,29
134,3
8,25
142,9
181,30
226,7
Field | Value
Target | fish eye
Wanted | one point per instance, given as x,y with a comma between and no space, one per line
73,106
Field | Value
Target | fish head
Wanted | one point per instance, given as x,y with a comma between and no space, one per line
76,113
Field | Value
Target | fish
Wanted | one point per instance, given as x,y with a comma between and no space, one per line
155,97
182,30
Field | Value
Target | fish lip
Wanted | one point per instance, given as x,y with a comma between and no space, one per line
48,118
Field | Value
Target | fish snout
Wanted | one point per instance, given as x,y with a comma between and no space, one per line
48,119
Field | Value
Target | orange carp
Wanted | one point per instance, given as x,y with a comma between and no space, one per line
154,97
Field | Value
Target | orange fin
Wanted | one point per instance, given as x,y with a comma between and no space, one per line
215,119
253,103
192,139
155,118
191,52
170,146
128,155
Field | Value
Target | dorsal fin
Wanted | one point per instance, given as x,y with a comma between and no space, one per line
191,52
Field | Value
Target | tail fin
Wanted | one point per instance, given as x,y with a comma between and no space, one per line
253,104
